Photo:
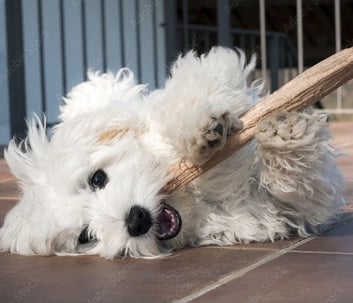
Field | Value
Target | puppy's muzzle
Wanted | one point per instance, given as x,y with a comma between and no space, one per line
139,221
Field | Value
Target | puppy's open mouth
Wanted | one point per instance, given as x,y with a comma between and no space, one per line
169,222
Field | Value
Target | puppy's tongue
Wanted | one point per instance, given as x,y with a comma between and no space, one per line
169,222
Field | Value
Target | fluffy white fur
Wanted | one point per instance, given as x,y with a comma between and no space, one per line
284,180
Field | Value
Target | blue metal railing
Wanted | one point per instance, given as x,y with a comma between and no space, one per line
280,52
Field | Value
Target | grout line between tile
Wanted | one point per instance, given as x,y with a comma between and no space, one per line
322,252
242,272
248,248
269,249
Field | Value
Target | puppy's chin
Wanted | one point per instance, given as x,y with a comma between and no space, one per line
146,247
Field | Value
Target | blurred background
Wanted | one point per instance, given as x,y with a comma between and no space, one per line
47,46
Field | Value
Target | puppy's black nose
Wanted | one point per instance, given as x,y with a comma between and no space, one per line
139,221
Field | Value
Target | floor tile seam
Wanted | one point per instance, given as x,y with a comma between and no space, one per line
269,249
250,248
240,273
322,252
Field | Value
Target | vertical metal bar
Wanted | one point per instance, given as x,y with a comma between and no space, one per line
274,62
104,38
155,46
41,58
15,57
84,39
338,44
338,24
122,33
263,38
138,42
171,30
223,23
185,25
300,45
62,43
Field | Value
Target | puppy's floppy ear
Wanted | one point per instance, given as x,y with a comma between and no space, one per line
31,226
99,91
26,227
26,158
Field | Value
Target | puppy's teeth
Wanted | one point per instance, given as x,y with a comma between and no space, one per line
169,221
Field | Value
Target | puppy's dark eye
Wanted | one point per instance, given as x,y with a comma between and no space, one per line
98,180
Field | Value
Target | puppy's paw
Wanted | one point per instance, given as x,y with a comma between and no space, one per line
212,138
290,130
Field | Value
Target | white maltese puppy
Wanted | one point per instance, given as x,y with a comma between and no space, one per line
95,186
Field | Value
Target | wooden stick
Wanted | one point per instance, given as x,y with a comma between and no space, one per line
301,92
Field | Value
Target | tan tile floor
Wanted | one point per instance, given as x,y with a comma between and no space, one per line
316,269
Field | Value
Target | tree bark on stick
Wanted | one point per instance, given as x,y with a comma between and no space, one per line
301,92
